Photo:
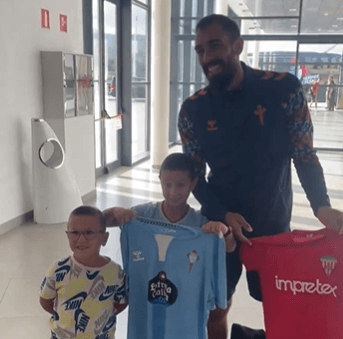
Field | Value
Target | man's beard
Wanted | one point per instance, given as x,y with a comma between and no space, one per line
220,83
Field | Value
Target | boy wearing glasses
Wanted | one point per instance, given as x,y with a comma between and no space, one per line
86,290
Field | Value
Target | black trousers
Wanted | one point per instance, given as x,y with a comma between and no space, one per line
243,332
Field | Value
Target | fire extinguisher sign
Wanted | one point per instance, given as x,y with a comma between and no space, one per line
63,23
45,18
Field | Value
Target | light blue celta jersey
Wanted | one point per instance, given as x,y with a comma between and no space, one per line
176,275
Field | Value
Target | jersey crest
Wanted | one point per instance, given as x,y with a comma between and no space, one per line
328,264
192,258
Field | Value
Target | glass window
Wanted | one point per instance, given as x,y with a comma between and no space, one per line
139,43
187,26
277,56
111,62
140,116
111,141
326,18
323,63
140,120
182,7
195,8
96,57
180,60
272,26
143,1
97,144
190,76
268,8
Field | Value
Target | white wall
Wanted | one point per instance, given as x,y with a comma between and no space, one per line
21,41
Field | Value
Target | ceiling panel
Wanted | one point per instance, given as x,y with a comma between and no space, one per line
318,16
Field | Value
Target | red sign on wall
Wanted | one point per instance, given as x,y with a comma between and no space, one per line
45,18
63,23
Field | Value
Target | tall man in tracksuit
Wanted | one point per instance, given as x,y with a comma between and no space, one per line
247,125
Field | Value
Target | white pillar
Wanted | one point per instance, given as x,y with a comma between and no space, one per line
221,7
160,69
245,30
256,49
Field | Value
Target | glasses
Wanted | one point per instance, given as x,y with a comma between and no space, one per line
89,235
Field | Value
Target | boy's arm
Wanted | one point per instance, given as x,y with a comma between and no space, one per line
218,227
47,304
118,308
117,216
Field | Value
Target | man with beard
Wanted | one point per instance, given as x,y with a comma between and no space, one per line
246,126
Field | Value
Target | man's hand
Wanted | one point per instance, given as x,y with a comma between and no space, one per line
331,218
237,223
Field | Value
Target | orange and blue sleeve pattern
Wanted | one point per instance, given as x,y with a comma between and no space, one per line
304,156
190,144
210,205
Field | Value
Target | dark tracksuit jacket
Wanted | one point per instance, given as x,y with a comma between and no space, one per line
248,137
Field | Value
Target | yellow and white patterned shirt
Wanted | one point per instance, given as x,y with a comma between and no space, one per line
84,298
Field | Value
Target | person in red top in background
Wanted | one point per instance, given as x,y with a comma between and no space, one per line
314,89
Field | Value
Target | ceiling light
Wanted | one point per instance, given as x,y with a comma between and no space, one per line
334,25
339,18
294,26
292,9
326,13
319,29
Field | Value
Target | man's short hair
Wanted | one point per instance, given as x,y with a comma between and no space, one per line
228,25
178,162
91,211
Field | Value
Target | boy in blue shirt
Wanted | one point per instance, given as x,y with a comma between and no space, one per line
178,179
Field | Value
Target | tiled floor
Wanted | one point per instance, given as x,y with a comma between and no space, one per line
27,251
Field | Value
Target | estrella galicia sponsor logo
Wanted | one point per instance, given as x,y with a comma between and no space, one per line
75,302
91,275
61,272
137,255
81,321
110,290
305,287
161,290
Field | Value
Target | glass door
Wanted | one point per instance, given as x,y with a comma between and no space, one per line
107,117
140,81
321,76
